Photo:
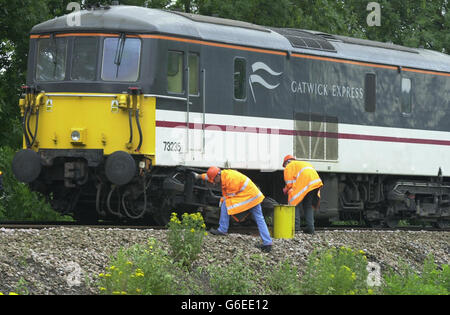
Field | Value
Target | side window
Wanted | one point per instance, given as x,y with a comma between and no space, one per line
239,78
175,72
371,92
193,73
406,96
84,59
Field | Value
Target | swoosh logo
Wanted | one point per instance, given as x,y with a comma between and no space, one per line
255,78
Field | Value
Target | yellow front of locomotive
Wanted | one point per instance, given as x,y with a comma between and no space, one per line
84,112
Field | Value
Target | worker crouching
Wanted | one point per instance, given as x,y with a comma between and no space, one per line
240,197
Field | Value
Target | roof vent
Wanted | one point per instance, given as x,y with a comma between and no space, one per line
303,39
96,6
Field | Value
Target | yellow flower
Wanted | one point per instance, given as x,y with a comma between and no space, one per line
101,275
13,293
332,276
192,230
129,263
353,276
206,233
361,252
138,290
102,289
370,291
139,273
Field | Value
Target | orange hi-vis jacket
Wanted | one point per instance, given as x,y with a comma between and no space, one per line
239,192
300,178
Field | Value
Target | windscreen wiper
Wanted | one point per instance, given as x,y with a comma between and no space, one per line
119,52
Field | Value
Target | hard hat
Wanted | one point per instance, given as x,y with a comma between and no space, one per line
287,158
212,173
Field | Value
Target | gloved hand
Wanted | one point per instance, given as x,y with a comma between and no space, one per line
285,190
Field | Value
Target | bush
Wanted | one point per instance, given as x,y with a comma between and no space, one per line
336,271
186,237
140,269
430,281
17,201
284,280
235,278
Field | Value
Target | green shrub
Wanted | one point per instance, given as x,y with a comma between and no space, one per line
141,269
431,281
186,237
232,279
283,279
17,201
336,271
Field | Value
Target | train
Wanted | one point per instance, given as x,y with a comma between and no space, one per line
120,109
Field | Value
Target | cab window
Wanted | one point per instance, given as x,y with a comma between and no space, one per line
51,59
84,58
121,58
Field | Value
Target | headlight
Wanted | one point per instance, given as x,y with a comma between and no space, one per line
75,135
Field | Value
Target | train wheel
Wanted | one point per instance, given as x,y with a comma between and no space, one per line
374,223
162,213
391,222
441,224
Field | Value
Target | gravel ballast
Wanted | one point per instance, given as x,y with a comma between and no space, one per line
67,260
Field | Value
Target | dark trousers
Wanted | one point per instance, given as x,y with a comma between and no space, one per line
307,204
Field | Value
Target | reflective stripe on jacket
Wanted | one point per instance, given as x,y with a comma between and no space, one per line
300,178
239,192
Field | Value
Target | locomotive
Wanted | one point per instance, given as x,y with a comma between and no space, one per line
120,110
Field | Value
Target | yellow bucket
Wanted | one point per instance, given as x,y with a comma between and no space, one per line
284,221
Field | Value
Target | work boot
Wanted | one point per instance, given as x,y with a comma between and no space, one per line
308,231
217,232
264,248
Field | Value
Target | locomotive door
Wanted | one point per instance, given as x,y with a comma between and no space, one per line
195,104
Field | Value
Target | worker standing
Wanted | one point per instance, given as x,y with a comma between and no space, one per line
239,194
302,187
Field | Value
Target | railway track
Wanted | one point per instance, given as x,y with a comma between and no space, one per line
244,229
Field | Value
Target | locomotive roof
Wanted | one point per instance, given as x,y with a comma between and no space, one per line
139,20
